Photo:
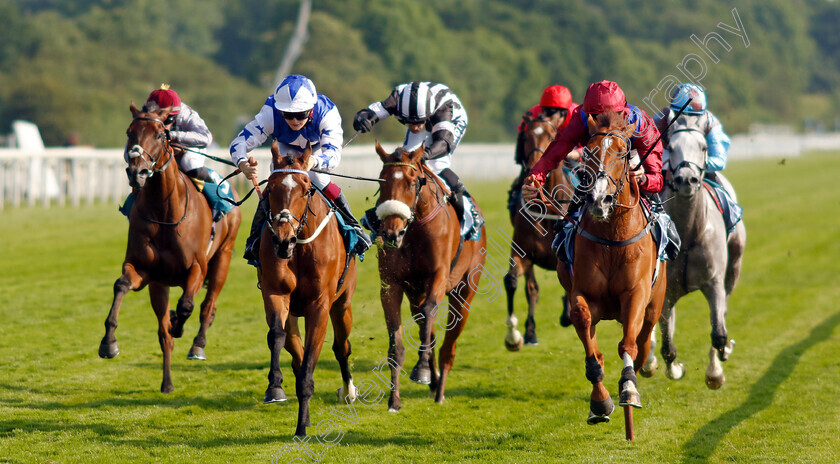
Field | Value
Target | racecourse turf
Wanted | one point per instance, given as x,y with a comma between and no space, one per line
59,402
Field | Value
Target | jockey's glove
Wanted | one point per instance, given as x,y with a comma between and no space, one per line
364,120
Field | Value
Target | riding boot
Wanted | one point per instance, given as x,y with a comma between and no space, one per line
201,173
712,176
457,196
343,208
655,201
252,243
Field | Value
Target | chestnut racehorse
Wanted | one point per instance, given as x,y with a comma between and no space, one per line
615,260
424,258
303,260
169,241
533,232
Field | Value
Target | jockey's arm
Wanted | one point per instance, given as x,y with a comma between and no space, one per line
252,136
647,136
563,143
190,130
718,143
331,137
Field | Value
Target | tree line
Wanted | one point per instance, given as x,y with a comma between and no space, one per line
73,66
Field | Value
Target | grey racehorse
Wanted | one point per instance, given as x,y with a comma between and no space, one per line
709,259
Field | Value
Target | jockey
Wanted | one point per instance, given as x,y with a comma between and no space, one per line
601,96
716,139
435,117
555,106
186,128
294,115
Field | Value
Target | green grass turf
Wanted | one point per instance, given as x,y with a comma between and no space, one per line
59,402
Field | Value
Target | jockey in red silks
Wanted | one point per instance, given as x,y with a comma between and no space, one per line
555,105
601,96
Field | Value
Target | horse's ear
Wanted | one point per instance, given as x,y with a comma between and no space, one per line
591,123
630,130
133,109
383,155
307,152
417,154
276,157
165,113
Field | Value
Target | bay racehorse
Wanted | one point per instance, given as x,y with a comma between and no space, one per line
170,243
422,256
615,260
305,271
709,259
533,232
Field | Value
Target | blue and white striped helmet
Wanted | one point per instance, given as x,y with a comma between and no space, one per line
295,94
681,94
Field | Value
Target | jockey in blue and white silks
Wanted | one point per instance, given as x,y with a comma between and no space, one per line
716,139
294,116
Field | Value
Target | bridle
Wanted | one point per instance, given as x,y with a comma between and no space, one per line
553,133
686,163
286,216
421,181
138,151
612,199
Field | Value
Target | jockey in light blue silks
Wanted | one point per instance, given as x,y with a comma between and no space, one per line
186,129
717,141
294,116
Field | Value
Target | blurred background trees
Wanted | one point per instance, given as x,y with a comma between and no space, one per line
73,66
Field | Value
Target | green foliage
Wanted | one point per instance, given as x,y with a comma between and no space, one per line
73,66
59,402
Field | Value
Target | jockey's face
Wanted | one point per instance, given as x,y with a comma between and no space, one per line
296,121
416,128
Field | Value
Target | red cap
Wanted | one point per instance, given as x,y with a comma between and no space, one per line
556,96
165,97
602,96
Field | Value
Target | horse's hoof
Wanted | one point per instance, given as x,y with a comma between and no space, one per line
175,329
531,339
393,410
166,388
675,371
715,382
649,368
274,395
197,352
421,375
599,411
514,346
440,400
108,350
630,396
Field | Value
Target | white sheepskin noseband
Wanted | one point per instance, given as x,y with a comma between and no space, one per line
393,208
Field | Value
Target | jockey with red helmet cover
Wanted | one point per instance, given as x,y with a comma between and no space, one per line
555,105
186,128
296,115
601,96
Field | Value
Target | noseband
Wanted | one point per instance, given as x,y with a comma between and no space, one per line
138,151
601,174
286,215
686,163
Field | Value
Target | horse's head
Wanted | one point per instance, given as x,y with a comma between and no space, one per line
605,162
289,191
537,135
687,144
147,149
399,193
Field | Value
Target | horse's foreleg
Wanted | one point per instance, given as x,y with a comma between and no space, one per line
635,345
276,313
425,317
217,271
342,322
513,338
159,295
721,345
316,328
600,403
532,291
294,343
391,297
186,303
667,325
130,280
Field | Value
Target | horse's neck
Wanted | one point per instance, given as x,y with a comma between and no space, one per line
166,191
689,214
431,199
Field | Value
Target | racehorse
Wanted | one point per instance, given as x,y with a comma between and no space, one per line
615,261
709,259
169,241
422,256
533,232
304,271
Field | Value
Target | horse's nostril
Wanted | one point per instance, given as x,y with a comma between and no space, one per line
608,198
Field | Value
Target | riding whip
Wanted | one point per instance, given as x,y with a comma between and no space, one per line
662,133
